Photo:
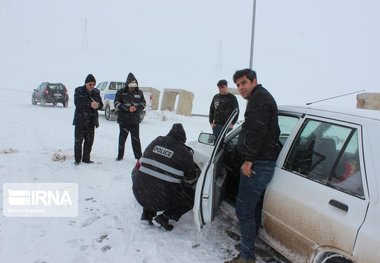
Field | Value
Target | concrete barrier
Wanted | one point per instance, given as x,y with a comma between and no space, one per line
368,100
155,96
184,104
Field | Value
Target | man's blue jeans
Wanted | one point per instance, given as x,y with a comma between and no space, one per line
251,189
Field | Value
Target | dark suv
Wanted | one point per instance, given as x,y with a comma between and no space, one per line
50,93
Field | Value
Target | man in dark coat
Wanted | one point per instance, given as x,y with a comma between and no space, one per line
165,179
258,147
129,103
222,105
87,102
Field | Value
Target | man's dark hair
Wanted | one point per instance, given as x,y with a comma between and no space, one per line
249,73
221,83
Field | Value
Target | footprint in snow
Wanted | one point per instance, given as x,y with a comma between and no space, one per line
90,221
83,247
90,199
106,248
102,237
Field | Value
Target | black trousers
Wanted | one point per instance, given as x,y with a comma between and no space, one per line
125,129
156,195
84,133
183,203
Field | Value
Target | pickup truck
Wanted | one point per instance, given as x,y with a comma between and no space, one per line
108,91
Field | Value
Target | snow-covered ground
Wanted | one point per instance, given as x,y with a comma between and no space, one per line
36,146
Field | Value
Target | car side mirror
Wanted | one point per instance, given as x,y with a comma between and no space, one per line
207,138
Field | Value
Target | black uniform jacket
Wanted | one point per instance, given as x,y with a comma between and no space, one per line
84,114
166,166
124,100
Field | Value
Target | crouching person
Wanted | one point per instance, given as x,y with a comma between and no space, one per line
165,179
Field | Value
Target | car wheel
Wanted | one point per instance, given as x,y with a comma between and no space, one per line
335,258
65,103
107,113
43,102
34,102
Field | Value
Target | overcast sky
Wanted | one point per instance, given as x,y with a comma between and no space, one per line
305,50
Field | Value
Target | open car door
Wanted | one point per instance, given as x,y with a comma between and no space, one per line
209,189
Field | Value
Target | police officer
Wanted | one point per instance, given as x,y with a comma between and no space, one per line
129,103
165,179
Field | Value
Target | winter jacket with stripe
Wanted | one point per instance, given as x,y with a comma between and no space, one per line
124,99
167,168
168,160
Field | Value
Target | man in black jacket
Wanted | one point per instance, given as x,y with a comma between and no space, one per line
87,102
165,179
129,103
258,147
222,105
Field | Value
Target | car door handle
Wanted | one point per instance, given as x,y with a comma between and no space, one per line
339,205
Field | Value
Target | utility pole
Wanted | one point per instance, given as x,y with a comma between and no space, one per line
252,34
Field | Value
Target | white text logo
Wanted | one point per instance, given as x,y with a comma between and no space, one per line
40,199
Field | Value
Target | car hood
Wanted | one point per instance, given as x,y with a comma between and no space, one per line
202,152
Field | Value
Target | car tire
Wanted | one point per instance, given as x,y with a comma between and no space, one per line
34,102
65,103
107,113
43,102
335,258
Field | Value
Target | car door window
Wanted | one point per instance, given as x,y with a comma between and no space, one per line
120,85
112,86
347,176
286,124
323,151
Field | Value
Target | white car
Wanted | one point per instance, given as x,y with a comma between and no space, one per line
108,91
322,204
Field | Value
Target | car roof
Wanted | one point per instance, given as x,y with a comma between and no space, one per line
53,83
109,81
353,114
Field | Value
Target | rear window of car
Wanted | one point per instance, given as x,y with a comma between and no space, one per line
57,87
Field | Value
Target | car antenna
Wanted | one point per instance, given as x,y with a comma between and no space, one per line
330,98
